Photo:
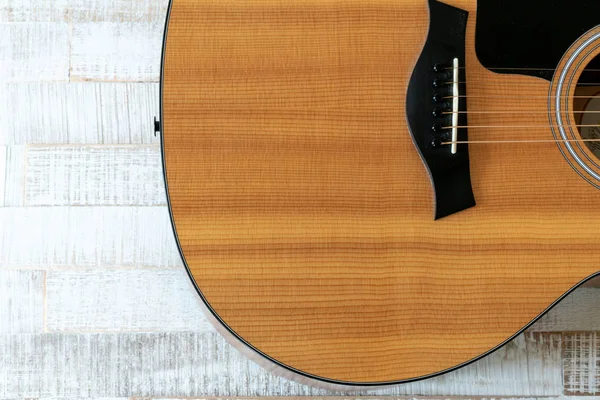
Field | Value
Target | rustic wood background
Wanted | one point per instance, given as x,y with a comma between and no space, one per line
94,300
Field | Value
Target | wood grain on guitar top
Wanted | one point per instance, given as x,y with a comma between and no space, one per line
304,211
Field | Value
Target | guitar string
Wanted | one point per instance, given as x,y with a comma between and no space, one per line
520,111
521,141
516,126
524,69
585,84
513,112
518,97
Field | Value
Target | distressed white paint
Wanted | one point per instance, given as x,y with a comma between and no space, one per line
119,10
108,398
21,301
3,169
100,175
120,301
83,10
375,398
203,364
529,365
372,397
78,113
14,177
33,52
116,52
582,363
33,10
86,236
578,312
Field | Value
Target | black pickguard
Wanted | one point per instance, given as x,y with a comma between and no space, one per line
530,33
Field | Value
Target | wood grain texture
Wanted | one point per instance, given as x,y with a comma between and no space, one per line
123,301
78,113
116,52
50,238
21,301
119,300
87,176
203,364
34,52
298,195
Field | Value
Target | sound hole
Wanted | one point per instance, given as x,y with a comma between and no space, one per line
586,105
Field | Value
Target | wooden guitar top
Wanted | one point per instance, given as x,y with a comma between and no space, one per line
305,213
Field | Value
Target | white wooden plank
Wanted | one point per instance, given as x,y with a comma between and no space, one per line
33,10
34,52
123,11
38,113
529,365
14,177
83,10
582,363
110,113
100,175
408,397
116,52
578,312
3,169
78,113
21,301
372,398
203,364
85,398
120,301
52,237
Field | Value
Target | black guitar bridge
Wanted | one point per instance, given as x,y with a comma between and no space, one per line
436,109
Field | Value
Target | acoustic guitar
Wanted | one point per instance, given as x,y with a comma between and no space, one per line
371,192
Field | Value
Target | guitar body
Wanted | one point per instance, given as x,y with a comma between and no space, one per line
303,203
